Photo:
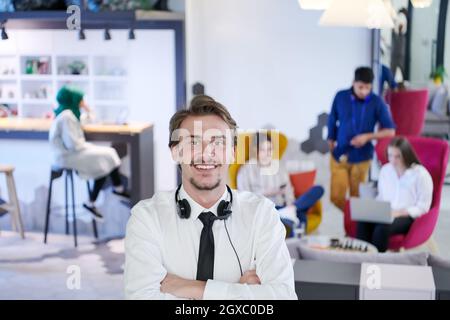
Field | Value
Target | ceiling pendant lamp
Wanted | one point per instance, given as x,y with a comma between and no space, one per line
421,3
107,35
314,4
4,34
372,14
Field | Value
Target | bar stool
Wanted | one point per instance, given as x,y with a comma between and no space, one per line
55,173
12,206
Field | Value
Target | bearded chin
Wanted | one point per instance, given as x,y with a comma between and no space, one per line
204,187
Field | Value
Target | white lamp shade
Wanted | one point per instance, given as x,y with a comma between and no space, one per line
371,14
314,4
421,3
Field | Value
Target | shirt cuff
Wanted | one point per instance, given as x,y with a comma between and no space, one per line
414,212
215,290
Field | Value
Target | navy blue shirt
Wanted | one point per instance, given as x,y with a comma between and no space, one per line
387,76
350,117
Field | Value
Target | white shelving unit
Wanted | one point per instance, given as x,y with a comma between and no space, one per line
8,83
37,77
8,101
8,77
79,78
29,83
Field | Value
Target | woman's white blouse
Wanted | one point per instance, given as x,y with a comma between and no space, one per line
413,191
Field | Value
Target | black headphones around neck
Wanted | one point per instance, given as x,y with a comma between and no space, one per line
223,210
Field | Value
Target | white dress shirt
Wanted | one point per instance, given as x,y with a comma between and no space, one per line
158,242
251,177
412,191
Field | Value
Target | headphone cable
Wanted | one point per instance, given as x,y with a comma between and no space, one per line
239,261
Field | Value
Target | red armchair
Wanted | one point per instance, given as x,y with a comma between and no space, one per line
433,153
302,182
408,109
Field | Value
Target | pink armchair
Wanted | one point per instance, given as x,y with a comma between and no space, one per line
433,153
408,109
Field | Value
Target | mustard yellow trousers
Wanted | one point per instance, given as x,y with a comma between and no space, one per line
346,177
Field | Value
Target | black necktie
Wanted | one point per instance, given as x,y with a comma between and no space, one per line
205,266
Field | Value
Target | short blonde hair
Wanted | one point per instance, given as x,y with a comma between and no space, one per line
201,105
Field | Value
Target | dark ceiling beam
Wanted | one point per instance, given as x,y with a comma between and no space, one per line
89,19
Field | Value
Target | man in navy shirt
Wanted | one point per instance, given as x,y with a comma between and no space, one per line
387,76
351,128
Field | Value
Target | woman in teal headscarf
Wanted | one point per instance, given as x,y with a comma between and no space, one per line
70,99
73,152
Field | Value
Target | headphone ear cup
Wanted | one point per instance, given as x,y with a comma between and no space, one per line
184,209
224,209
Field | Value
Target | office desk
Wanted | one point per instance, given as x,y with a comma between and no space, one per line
138,136
322,280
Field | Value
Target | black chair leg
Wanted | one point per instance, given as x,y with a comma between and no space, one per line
73,210
47,214
89,189
94,223
68,175
67,201
94,226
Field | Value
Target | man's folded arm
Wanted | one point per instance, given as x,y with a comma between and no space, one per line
273,264
143,261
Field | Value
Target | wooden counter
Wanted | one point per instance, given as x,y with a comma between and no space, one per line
138,136
43,125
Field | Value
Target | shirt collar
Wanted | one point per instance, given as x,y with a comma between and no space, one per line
196,208
409,171
352,94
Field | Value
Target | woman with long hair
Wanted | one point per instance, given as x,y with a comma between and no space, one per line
407,185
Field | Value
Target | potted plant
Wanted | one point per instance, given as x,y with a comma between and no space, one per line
438,75
77,67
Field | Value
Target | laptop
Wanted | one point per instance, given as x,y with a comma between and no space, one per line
370,210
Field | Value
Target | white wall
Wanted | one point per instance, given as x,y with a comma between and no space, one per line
152,95
424,32
447,45
268,61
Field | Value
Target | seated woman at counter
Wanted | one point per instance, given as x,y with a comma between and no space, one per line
276,186
71,150
407,185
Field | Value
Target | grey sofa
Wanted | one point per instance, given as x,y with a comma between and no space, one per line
437,119
299,251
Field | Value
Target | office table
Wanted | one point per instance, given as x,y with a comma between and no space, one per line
138,136
323,280
320,280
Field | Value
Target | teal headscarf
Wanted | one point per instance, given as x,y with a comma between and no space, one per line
69,99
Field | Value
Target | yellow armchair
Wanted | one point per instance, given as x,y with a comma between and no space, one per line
242,155
280,143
